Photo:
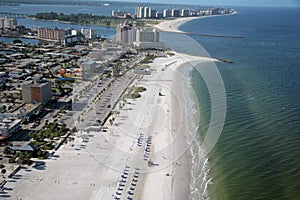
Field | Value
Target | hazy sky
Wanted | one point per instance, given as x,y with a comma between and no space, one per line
293,3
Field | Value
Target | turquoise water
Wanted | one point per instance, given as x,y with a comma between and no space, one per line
257,155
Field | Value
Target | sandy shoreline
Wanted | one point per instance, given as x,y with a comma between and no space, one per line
173,25
94,166
115,163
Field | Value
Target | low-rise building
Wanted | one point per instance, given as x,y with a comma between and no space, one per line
8,126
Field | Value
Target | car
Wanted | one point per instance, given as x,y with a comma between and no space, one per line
133,184
130,192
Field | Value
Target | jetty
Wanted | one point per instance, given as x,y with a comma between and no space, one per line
213,35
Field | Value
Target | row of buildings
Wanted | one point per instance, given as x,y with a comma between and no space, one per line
148,12
8,23
138,37
145,12
65,36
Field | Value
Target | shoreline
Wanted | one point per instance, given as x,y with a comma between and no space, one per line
113,162
172,181
174,25
102,158
181,185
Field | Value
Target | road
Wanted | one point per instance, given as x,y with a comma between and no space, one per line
94,106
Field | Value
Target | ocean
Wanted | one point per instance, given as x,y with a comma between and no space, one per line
256,155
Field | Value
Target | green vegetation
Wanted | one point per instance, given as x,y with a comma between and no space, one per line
20,157
145,23
80,18
170,54
139,89
43,141
135,92
48,132
148,59
89,19
3,171
17,41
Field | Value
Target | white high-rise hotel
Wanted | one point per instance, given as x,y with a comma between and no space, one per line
143,12
138,37
8,23
148,38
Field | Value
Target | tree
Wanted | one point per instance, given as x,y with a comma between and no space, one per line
73,130
17,41
6,150
3,171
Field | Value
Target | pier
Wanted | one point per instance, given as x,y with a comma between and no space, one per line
213,35
207,35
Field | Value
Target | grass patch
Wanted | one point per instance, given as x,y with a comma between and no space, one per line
134,92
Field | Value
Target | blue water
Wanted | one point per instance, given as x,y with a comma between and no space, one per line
257,155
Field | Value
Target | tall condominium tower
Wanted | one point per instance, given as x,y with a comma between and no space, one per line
143,12
125,33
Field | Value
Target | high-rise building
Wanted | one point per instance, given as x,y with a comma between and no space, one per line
121,33
185,13
51,34
12,23
142,38
8,23
159,15
167,13
125,33
175,13
147,35
143,12
88,33
1,23
139,11
131,35
147,12
36,92
148,38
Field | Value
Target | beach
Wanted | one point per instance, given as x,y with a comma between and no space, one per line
173,25
142,154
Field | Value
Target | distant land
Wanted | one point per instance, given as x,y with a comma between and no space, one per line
83,2
89,19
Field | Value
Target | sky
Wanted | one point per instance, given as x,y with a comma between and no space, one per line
268,3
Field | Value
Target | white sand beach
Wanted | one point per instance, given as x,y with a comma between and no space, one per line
142,155
94,166
172,25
